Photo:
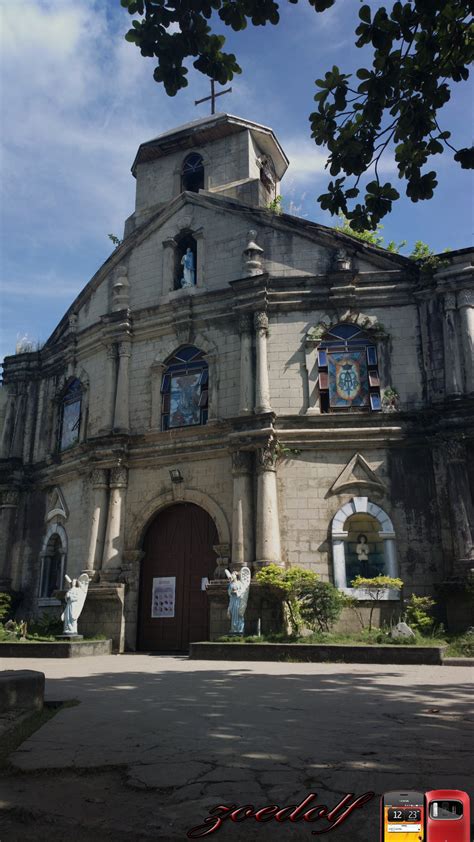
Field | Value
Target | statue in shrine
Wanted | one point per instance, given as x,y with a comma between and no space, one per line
238,591
362,548
75,599
187,262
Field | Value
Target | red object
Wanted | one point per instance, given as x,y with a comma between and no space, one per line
448,816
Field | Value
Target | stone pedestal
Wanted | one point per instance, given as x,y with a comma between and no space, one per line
71,637
263,613
103,613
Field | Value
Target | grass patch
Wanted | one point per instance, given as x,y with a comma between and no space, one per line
25,727
377,637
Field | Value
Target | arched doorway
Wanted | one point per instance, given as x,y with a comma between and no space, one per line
178,556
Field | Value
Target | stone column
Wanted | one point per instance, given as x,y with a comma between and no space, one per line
156,376
246,402
466,318
267,543
16,449
339,560
113,546
9,423
99,485
9,501
460,499
122,411
213,390
110,386
242,510
390,555
452,362
262,386
168,267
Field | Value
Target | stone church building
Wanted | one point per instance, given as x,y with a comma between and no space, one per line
237,386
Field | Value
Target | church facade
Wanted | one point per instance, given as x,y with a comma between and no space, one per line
237,386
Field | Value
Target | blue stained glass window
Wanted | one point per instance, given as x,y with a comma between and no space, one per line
70,415
372,355
375,401
184,389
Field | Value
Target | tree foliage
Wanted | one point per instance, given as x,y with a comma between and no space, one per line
419,48
375,587
320,605
289,583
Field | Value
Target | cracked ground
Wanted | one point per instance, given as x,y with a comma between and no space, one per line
156,742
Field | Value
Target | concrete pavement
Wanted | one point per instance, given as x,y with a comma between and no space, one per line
157,741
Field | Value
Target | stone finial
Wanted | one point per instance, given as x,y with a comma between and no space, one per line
252,255
120,289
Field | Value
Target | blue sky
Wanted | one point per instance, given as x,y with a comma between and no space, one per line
76,101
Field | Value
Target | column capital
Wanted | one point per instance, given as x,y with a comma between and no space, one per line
466,298
260,320
245,323
125,347
98,478
241,463
449,301
266,458
9,499
110,349
119,477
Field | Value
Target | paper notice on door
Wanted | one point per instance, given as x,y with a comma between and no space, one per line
163,597
204,583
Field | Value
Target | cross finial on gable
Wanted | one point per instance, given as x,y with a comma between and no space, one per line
213,97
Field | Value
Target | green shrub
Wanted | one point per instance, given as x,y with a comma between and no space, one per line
320,606
288,583
463,646
46,625
375,587
5,605
418,613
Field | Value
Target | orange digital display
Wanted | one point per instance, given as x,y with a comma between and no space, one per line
403,823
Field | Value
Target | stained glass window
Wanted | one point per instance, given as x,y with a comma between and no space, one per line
70,415
348,374
184,389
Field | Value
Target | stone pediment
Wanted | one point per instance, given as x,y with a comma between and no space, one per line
56,505
357,475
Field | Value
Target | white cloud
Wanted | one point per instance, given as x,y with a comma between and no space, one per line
306,159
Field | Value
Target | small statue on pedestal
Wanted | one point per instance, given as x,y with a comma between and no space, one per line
238,590
75,599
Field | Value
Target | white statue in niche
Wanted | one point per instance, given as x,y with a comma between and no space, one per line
75,599
187,262
362,548
238,591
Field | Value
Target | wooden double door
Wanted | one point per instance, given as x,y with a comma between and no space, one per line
173,606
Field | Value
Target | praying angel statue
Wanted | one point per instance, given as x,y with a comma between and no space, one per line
238,590
75,599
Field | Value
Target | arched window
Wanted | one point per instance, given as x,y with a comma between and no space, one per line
185,261
52,568
348,370
192,174
70,415
184,389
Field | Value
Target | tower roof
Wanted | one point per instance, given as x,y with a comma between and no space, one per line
206,129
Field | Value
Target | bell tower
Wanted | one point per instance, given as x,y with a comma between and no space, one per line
215,154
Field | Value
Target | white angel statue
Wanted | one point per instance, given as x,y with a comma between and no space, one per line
75,599
238,590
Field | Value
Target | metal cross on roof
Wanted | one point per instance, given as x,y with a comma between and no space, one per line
213,97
